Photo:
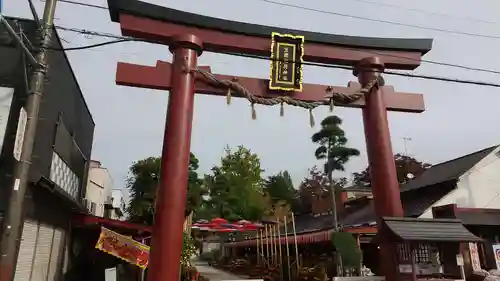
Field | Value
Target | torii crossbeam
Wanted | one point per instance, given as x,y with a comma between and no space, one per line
188,35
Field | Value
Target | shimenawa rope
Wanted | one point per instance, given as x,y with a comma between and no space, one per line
331,98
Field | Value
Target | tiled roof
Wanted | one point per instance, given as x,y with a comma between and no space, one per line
415,203
449,170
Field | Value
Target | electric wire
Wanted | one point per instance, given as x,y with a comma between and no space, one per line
83,4
93,45
409,75
331,13
427,77
99,34
456,32
364,51
422,11
33,12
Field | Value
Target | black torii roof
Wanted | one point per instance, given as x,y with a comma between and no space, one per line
435,230
156,12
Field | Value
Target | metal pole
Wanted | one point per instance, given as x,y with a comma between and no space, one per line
262,245
143,270
166,244
280,256
267,245
275,239
258,249
14,217
271,234
287,251
296,245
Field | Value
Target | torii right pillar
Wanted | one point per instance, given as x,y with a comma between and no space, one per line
385,186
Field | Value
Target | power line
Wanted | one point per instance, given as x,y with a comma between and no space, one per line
83,4
34,13
334,14
100,34
93,45
364,51
379,20
121,39
444,15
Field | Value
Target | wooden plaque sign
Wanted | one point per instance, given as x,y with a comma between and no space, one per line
287,53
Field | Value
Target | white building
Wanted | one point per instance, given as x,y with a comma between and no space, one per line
101,199
118,204
477,181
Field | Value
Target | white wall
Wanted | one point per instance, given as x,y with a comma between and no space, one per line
118,202
477,188
99,187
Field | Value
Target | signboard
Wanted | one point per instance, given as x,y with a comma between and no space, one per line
123,247
21,128
474,257
496,251
460,260
287,53
110,274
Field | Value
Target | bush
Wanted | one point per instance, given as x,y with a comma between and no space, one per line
211,256
188,249
346,245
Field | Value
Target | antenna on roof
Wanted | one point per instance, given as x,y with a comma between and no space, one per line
406,140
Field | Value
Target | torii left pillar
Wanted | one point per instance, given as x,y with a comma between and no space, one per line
171,200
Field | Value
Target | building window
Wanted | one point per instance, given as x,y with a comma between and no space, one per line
93,208
422,253
62,175
68,163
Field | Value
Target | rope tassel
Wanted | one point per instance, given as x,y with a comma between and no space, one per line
331,105
311,118
254,113
282,110
228,96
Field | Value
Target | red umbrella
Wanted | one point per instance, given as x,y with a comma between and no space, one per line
209,225
251,226
243,222
218,221
225,229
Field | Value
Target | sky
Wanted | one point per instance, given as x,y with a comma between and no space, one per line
459,119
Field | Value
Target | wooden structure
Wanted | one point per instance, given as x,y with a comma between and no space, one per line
484,223
188,35
427,248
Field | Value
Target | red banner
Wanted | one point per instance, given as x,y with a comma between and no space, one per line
123,247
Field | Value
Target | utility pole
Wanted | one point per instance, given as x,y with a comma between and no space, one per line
408,175
14,217
405,141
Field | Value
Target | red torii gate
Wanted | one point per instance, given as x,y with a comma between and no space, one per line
189,34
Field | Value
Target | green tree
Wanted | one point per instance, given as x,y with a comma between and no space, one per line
143,182
236,187
333,150
280,188
405,165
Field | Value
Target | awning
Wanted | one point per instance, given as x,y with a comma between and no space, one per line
88,220
306,238
302,238
432,230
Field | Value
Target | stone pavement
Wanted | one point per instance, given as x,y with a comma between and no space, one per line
214,274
